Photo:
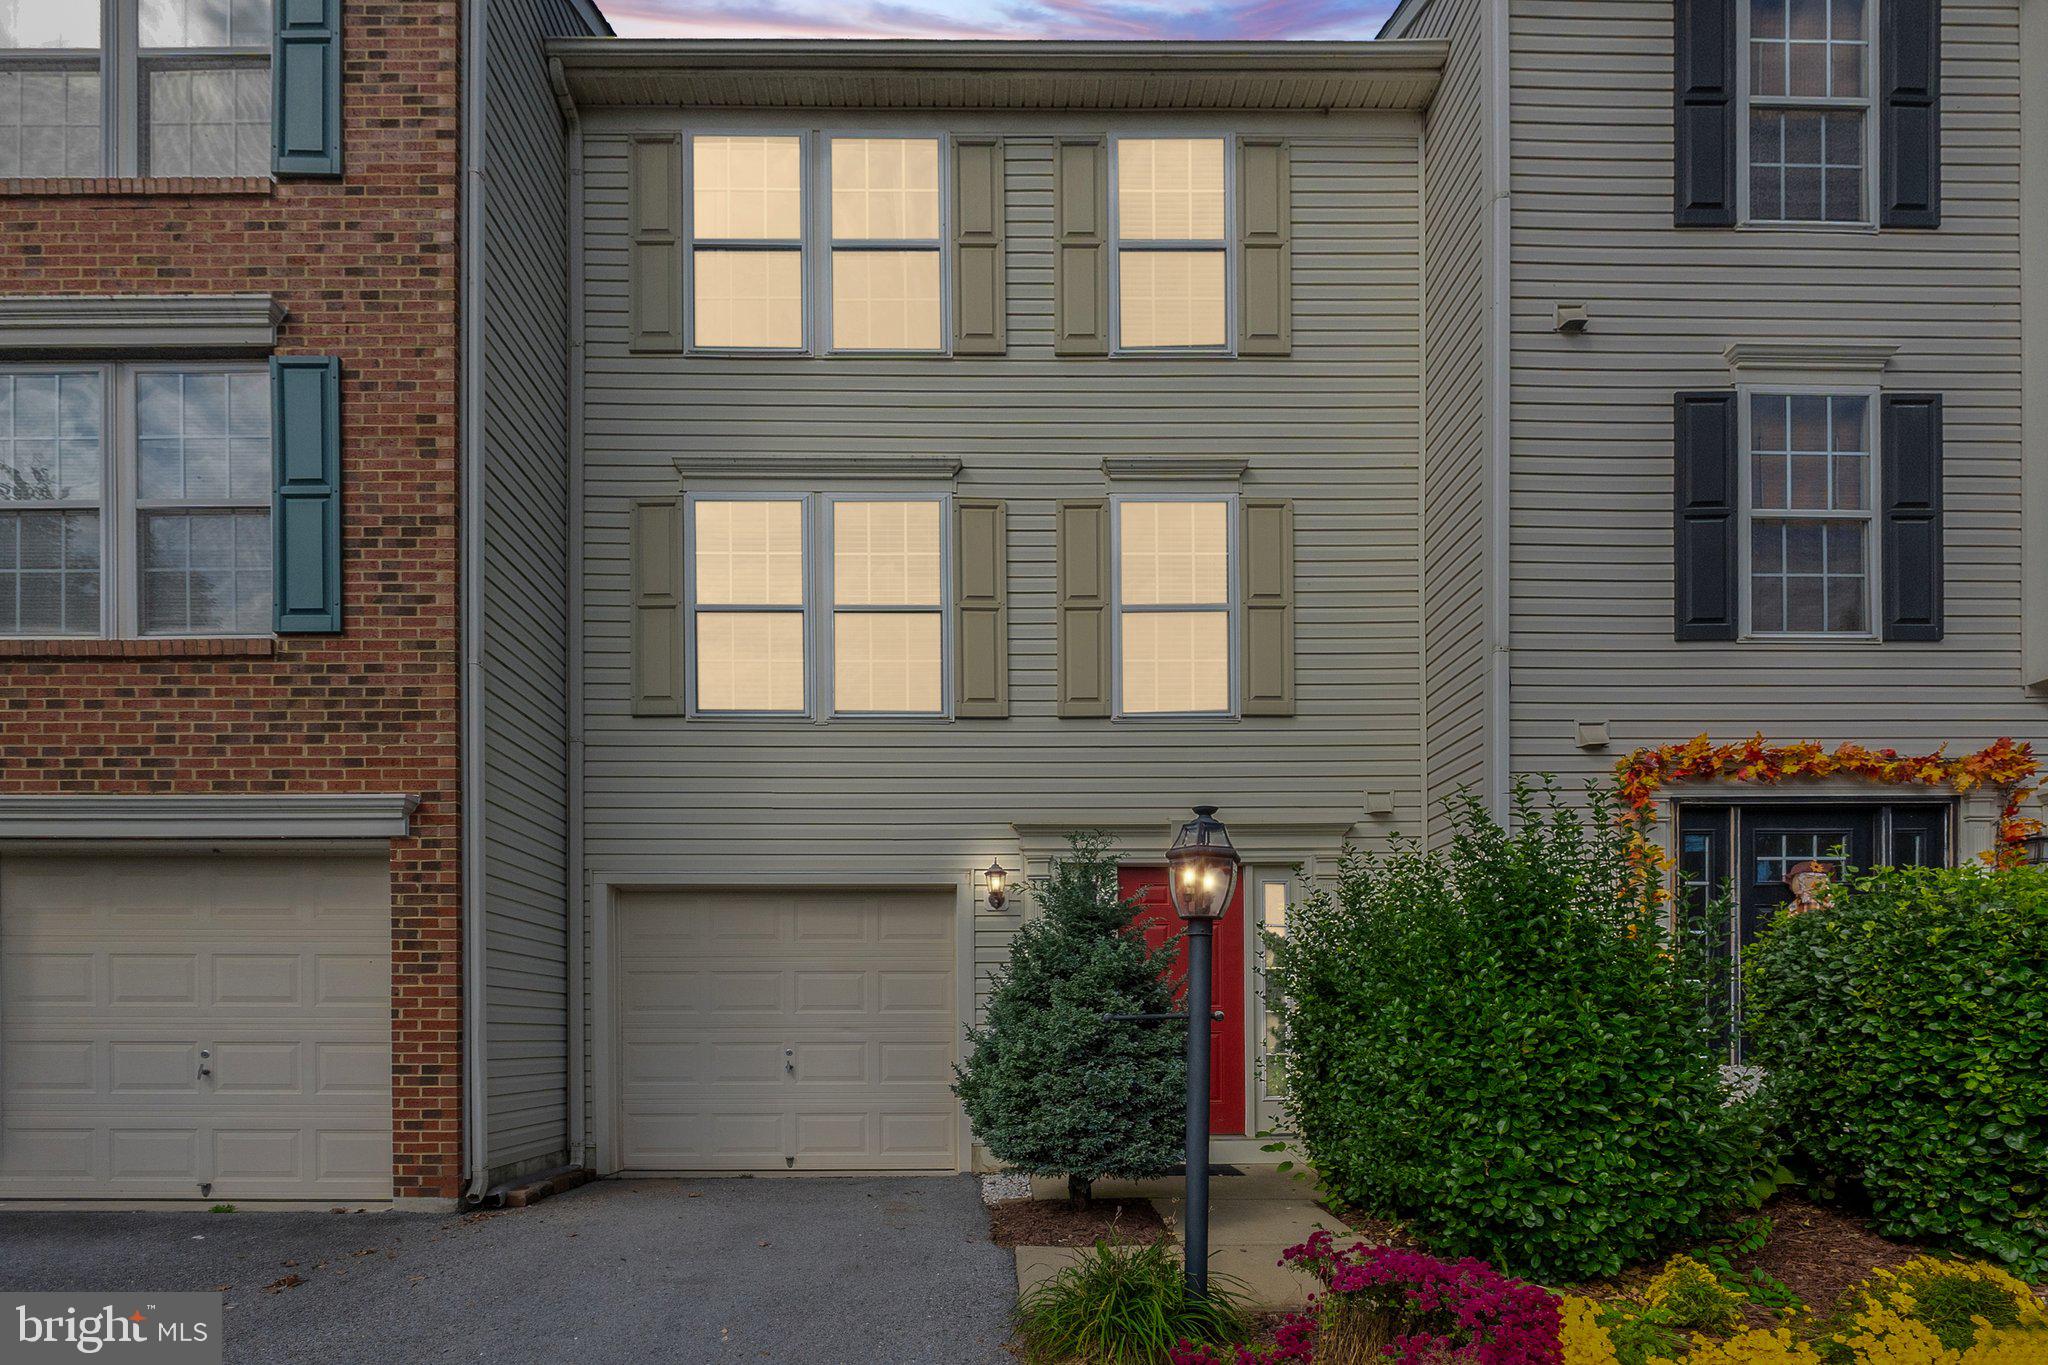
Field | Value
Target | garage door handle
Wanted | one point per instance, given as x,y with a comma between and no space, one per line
204,1069
789,1060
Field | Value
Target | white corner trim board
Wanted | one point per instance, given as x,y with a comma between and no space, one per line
215,323
268,815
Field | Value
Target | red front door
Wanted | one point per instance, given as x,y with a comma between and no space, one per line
1147,886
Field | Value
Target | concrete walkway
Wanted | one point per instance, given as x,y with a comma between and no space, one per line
1253,1217
806,1272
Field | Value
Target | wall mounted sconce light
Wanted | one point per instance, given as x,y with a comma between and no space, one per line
996,881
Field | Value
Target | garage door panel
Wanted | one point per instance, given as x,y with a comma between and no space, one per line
810,1030
117,971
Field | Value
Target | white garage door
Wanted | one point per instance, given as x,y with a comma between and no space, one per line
804,1030
197,1026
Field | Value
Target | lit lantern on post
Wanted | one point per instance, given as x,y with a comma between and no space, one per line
1201,874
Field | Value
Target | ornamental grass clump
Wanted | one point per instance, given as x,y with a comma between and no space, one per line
1124,1305
1904,1029
1394,1304
1498,1044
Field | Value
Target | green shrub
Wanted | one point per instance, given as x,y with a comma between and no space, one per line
1497,1044
1125,1305
1905,1031
1053,1086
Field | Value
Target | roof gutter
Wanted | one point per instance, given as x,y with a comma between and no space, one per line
474,1036
995,58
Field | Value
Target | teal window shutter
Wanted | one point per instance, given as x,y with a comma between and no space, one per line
305,88
305,513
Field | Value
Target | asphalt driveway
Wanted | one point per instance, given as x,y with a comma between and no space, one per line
893,1271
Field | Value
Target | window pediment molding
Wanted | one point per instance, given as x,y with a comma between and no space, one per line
811,467
139,324
266,815
1755,358
1213,468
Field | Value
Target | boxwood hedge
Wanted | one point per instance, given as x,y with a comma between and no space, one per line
1497,1044
1905,1028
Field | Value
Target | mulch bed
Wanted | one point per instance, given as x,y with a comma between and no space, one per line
1821,1252
1055,1223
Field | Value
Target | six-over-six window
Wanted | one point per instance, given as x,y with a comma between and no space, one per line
135,500
800,604
1811,474
135,87
1808,122
1174,642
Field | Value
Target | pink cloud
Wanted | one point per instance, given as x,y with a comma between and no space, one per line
1097,20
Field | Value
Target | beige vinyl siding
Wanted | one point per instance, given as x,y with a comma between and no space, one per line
525,608
1458,572
1333,428
1592,415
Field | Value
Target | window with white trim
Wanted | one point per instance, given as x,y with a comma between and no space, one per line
135,500
1811,472
886,252
758,564
747,242
135,87
1174,600
1171,211
888,598
1807,119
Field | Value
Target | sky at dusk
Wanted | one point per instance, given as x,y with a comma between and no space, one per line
1099,20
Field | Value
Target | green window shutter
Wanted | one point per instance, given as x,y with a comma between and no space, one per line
657,551
1268,607
981,607
1084,608
1265,251
655,254
305,511
1081,265
978,302
305,88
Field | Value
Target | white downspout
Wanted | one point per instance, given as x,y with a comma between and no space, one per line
573,872
474,1031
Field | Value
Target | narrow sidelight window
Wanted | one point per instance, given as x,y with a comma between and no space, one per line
747,252
1808,120
1172,244
888,621
885,252
1174,600
1811,474
747,605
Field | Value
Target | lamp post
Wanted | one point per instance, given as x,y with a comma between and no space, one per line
1201,873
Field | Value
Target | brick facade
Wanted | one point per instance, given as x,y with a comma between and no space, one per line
367,268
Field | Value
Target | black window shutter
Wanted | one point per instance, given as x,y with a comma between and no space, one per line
1909,134
1912,566
1703,450
1703,165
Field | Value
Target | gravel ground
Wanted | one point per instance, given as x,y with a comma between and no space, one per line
1008,1185
888,1271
